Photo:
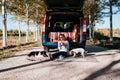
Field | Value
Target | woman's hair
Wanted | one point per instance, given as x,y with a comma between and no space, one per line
62,35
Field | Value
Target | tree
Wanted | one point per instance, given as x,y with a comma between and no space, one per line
4,44
16,9
24,10
27,9
95,10
108,6
92,10
27,20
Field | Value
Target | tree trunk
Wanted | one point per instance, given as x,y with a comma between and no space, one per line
4,24
36,33
93,29
90,26
111,26
37,23
19,32
27,21
34,30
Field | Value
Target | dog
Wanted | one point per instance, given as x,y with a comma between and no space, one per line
77,51
37,54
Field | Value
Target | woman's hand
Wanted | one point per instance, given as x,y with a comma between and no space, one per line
62,43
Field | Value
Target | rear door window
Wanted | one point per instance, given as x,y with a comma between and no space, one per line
64,4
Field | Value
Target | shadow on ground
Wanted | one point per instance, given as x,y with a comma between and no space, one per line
25,65
102,71
92,48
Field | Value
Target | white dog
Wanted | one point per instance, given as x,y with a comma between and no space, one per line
76,51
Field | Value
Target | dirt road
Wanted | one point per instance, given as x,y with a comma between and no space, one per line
99,64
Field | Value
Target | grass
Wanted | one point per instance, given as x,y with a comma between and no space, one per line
10,51
5,54
105,43
110,45
14,45
14,40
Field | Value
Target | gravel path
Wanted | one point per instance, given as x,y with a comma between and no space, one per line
99,64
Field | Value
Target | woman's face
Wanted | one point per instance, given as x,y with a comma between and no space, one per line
62,38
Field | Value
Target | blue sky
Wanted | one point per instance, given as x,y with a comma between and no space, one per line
12,24
106,24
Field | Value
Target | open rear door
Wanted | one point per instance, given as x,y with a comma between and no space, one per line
64,4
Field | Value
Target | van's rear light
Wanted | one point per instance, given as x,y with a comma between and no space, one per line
84,25
44,19
44,22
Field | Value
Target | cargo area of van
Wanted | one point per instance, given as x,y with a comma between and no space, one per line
63,23
64,17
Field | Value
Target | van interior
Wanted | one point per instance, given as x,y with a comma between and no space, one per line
63,23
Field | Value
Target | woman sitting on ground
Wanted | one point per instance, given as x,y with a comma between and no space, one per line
63,48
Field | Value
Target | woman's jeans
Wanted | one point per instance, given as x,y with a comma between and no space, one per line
57,54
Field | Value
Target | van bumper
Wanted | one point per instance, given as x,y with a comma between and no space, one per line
72,44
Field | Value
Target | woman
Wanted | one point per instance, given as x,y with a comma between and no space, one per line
63,48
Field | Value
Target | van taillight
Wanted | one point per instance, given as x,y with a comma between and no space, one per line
44,22
84,25
44,19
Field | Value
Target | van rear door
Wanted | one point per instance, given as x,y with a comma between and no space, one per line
64,4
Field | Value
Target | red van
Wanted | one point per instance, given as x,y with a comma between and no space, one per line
64,17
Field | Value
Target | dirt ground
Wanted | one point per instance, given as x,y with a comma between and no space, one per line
99,64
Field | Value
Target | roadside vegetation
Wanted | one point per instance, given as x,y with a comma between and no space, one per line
15,45
13,38
102,38
11,50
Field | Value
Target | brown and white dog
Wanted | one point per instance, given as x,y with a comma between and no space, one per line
77,51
